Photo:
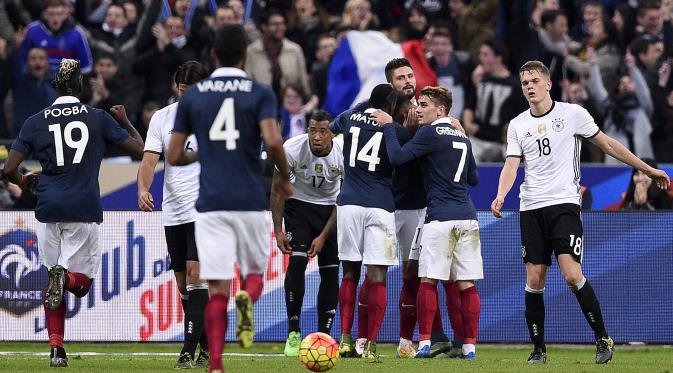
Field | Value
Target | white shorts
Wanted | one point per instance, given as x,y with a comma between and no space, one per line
71,245
409,229
451,250
366,234
225,237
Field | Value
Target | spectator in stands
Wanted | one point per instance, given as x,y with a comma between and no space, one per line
325,47
358,16
194,19
108,86
132,12
625,23
456,8
627,112
305,23
476,25
224,15
575,92
114,36
555,41
492,103
251,31
160,60
274,60
592,11
651,25
641,194
451,72
662,134
31,86
295,110
602,37
415,23
524,39
648,56
59,36
5,71
149,108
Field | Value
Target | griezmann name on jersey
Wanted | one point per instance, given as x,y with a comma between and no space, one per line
69,139
224,112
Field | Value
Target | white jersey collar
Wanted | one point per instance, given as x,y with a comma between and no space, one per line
228,71
446,120
66,100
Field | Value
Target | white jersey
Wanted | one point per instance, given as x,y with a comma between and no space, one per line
549,146
314,179
181,183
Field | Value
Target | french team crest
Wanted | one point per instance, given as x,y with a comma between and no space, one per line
557,125
22,276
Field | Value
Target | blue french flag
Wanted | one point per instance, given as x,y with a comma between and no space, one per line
357,67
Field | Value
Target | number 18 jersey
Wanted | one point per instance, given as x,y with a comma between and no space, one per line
549,146
367,170
69,140
224,112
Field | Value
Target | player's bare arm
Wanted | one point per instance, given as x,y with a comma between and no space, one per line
277,209
133,145
274,148
177,154
319,242
507,178
145,179
11,171
615,149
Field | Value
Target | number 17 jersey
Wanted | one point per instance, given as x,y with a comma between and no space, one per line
224,112
549,146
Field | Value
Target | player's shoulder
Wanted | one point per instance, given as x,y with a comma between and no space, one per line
338,144
296,143
570,108
166,111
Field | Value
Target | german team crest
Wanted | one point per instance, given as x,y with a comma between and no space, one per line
22,277
557,125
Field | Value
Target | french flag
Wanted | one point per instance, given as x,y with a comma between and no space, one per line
359,65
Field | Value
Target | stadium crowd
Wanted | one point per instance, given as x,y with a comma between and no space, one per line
611,56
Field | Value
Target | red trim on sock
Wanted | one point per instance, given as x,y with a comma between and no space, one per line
426,303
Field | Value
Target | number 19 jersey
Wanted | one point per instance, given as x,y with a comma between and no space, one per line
549,146
224,112
69,139
367,170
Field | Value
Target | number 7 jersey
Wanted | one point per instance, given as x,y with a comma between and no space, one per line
549,145
224,112
69,140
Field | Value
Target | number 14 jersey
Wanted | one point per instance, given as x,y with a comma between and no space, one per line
549,145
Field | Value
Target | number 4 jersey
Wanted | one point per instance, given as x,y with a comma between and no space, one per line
368,173
69,140
549,145
224,112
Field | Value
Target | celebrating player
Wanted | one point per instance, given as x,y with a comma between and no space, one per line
228,113
548,138
451,248
69,139
316,169
181,188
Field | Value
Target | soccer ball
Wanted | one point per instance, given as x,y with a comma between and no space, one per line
318,352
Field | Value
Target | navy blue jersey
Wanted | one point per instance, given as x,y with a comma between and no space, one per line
69,139
224,112
408,187
367,172
448,167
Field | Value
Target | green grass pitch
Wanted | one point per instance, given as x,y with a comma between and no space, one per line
127,358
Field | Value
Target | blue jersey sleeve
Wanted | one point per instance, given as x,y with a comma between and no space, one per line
472,174
267,105
182,124
112,131
418,146
23,143
339,124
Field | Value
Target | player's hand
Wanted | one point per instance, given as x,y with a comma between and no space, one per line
456,124
661,178
282,187
316,246
146,201
282,242
496,206
381,117
119,113
411,120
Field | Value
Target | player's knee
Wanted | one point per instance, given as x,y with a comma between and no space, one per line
298,262
377,273
193,273
573,278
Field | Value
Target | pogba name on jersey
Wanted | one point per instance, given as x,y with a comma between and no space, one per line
57,112
233,85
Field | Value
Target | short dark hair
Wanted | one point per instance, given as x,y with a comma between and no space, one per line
266,16
189,73
54,3
68,78
379,96
396,103
443,32
498,48
394,64
230,45
640,45
644,6
549,16
106,56
440,96
534,66
321,115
